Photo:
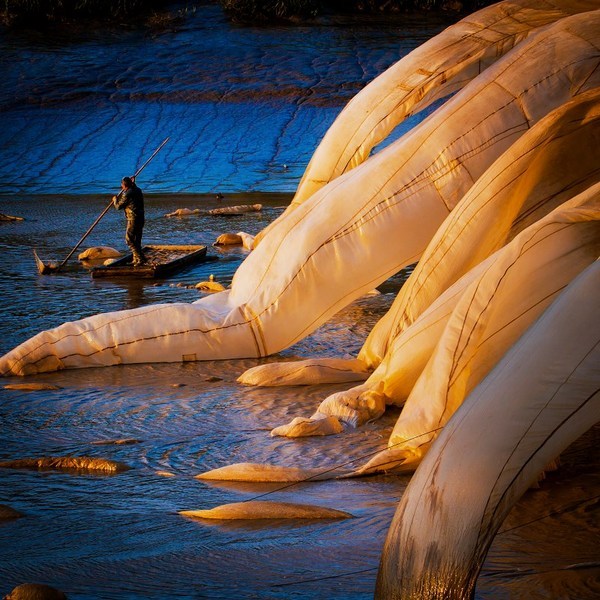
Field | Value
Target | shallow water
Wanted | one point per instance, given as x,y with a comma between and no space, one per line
244,106
119,536
263,104
54,225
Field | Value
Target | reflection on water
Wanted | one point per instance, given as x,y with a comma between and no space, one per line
121,536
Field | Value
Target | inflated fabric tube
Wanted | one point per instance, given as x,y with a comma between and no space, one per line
494,311
537,400
553,161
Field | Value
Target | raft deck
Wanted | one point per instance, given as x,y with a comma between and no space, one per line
162,261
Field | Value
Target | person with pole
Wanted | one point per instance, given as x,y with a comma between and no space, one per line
44,268
131,200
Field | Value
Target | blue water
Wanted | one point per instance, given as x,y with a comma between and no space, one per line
244,109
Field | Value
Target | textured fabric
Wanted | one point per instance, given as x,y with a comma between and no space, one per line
538,399
520,281
554,160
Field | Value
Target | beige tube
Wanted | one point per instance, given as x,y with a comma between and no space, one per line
538,399
493,312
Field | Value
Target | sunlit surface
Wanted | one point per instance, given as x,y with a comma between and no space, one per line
245,107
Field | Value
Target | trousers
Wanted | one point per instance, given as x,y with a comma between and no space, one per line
133,238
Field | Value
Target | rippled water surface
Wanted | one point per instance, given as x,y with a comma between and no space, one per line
245,108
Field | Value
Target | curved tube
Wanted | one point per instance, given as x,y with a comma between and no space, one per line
436,69
520,187
551,163
538,399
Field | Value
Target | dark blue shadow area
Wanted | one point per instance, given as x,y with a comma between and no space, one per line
245,107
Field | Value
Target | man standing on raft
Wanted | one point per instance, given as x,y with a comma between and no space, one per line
131,199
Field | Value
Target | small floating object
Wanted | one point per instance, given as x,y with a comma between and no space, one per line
229,239
69,463
183,212
262,473
262,509
45,268
119,442
306,372
53,266
7,512
31,387
165,474
210,286
35,591
235,239
236,210
4,217
99,252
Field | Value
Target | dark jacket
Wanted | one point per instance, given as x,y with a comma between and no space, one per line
132,201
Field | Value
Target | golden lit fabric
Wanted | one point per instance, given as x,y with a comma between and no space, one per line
540,397
518,284
550,163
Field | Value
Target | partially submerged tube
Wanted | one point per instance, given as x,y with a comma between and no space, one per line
257,509
538,399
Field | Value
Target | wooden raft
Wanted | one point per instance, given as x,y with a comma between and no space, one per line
163,261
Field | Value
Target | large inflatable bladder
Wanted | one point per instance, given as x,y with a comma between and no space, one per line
548,165
373,220
518,284
485,313
537,400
